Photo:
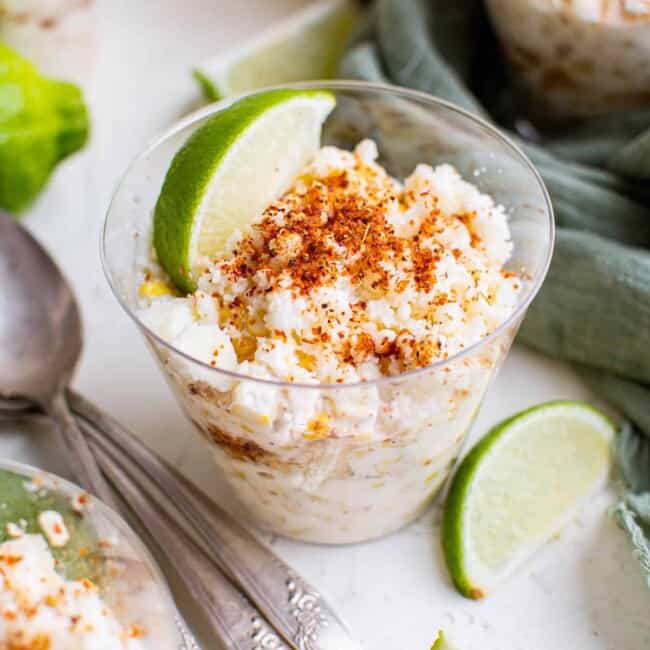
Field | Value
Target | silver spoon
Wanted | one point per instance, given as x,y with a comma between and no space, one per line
41,341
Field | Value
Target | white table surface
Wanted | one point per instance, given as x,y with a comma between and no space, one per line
581,591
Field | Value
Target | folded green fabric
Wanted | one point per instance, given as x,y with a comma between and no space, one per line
594,308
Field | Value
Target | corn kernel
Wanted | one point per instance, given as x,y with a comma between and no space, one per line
156,288
245,348
306,361
318,427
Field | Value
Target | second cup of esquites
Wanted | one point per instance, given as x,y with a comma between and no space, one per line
573,59
334,344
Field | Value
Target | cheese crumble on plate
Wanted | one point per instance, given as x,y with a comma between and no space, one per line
41,610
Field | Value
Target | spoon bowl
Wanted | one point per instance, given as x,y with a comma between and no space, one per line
41,341
40,326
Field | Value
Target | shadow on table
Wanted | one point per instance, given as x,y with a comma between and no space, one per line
34,444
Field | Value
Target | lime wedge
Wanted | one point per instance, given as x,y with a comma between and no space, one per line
517,486
229,170
307,45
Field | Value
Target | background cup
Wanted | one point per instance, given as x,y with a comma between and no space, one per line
574,59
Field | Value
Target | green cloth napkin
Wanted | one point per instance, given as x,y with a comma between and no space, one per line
594,308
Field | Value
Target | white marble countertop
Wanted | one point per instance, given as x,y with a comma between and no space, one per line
582,590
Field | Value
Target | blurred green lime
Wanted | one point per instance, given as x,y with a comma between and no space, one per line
42,121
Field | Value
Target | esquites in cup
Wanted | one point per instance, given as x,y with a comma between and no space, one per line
333,341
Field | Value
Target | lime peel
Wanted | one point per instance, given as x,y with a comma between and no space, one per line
208,88
441,642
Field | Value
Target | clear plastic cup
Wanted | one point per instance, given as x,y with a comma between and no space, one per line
101,548
577,58
385,446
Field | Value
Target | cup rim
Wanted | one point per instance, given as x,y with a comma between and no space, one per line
350,85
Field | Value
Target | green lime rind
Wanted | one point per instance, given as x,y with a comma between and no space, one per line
191,172
453,539
441,642
208,88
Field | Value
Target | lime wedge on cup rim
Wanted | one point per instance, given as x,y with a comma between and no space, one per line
235,164
518,485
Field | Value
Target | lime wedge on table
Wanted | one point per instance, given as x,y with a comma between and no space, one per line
518,485
307,45
229,170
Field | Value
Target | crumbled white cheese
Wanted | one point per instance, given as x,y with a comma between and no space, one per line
14,530
52,524
81,502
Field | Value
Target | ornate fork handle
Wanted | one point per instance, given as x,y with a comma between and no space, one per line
295,609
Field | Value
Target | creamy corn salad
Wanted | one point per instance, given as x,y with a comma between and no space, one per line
350,276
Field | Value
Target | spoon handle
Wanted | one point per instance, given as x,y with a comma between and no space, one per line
81,460
289,603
